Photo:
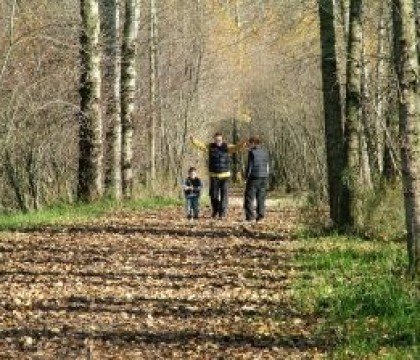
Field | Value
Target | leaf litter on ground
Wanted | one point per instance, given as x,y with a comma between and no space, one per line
151,285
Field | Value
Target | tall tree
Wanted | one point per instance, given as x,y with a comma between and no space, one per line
334,137
409,114
240,107
353,111
90,173
153,91
111,29
391,149
368,137
381,92
128,89
417,9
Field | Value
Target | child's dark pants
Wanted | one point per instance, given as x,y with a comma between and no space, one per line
192,207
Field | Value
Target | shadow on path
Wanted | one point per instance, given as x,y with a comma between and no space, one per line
294,341
182,232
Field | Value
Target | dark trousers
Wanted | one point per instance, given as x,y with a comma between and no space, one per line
255,188
219,195
192,207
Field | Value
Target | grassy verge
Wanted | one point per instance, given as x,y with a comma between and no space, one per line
65,213
371,311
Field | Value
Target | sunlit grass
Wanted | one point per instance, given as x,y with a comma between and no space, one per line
361,289
73,213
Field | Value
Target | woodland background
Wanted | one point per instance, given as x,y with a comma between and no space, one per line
264,73
242,67
98,100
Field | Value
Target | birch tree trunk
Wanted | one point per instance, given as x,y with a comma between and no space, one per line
111,21
128,89
381,90
353,111
369,134
392,163
409,108
239,111
343,8
345,17
153,92
334,138
417,9
90,173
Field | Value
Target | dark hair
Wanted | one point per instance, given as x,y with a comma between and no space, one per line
191,169
218,134
254,140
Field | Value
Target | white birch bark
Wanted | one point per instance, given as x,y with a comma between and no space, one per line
380,98
153,91
353,108
111,27
128,90
90,173
369,134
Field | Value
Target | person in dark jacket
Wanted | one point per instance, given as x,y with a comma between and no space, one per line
192,191
219,170
257,172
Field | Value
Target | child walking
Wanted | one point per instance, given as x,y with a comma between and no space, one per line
192,190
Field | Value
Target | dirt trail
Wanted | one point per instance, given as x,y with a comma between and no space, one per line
153,286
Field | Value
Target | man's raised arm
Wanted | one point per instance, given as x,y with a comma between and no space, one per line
199,144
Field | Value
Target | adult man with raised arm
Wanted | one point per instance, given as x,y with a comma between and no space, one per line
219,170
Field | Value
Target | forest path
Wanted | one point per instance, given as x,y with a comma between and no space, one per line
151,285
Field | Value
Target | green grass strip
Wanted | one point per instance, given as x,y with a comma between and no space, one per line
360,288
63,214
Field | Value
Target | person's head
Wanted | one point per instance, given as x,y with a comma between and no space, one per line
254,141
192,172
218,138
